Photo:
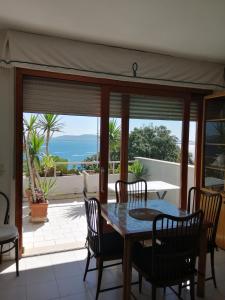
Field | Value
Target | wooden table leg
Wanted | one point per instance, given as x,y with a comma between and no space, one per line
202,263
127,269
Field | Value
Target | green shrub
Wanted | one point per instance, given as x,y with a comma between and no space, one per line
63,169
46,185
137,169
91,167
74,170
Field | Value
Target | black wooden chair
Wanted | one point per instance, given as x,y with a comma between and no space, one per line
8,233
171,258
210,203
131,191
102,246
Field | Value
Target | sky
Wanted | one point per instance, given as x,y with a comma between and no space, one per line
88,125
75,125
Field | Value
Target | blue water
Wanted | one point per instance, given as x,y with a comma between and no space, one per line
78,148
75,149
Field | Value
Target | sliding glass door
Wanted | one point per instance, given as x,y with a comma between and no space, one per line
143,136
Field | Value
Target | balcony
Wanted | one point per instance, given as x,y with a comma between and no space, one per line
66,226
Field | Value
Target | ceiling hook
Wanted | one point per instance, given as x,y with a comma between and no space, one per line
135,68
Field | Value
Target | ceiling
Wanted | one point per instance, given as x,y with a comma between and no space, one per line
178,27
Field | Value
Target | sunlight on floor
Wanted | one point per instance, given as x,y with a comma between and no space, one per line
59,276
66,228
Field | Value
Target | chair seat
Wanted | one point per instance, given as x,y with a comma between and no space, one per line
112,245
142,260
8,232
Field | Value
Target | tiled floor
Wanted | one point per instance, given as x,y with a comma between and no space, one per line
59,276
66,228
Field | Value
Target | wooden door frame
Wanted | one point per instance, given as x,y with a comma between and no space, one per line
107,86
125,105
19,155
104,145
184,152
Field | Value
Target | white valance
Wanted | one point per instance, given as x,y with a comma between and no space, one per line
68,56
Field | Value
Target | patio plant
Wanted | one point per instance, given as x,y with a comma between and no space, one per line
74,171
60,169
49,124
114,138
137,169
38,187
47,164
29,127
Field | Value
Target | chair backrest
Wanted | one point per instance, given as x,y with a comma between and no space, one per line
175,242
210,203
94,224
131,191
4,208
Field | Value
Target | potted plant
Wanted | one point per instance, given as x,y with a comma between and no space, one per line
38,187
39,208
29,128
137,169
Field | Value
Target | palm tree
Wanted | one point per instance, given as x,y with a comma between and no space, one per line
114,136
36,142
29,127
49,123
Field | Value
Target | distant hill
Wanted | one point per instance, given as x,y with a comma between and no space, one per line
76,137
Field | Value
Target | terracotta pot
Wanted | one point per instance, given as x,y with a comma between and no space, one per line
39,212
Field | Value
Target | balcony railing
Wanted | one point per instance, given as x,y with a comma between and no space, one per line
88,163
155,169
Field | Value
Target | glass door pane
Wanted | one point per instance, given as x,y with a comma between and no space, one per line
214,145
155,130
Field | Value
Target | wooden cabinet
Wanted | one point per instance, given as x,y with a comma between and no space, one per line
220,237
213,159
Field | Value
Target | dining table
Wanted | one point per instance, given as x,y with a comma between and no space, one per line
132,228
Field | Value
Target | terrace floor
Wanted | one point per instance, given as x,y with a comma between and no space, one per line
59,276
65,229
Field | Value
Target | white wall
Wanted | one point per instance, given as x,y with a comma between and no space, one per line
168,172
64,185
7,135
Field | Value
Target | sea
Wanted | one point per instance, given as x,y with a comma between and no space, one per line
74,148
78,148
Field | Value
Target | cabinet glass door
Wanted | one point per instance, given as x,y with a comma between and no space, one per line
214,146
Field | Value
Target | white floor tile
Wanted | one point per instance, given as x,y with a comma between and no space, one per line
43,291
19,292
71,286
59,277
67,270
66,227
40,275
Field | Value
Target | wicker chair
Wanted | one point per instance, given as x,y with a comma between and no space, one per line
171,259
8,233
210,204
102,246
131,191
